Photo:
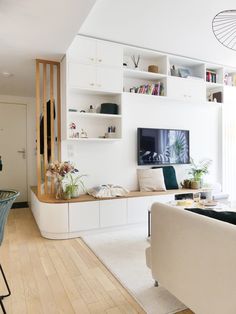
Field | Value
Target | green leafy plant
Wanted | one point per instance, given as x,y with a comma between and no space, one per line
199,170
74,182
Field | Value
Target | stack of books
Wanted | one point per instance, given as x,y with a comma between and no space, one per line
150,89
211,76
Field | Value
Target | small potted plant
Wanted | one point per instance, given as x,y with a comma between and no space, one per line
73,184
66,178
198,171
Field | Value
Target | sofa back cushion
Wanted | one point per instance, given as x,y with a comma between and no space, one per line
226,216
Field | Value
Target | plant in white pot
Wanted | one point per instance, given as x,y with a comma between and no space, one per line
74,184
198,171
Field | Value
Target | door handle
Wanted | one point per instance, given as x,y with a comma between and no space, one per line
22,152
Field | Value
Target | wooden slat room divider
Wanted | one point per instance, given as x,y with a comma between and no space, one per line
48,121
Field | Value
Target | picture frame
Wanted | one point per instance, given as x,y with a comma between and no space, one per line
183,72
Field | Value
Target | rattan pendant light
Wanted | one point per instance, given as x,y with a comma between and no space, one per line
224,28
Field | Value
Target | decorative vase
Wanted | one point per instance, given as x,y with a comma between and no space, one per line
195,185
59,190
74,191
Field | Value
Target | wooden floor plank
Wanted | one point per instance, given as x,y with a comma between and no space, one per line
57,276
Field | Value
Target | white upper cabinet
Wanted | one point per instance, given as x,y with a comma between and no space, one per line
109,79
82,50
186,89
82,76
109,54
91,51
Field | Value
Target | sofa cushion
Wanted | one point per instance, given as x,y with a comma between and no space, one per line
226,216
169,177
151,180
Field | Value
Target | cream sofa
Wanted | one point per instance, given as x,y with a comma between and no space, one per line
194,257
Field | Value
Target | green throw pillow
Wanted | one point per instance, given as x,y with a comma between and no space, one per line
169,177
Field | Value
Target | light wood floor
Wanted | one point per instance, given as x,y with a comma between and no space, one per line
57,276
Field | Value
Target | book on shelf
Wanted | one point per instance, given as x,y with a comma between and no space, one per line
149,89
211,76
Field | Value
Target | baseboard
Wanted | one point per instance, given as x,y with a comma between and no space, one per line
20,205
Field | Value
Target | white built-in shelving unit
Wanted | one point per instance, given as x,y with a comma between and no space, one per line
96,71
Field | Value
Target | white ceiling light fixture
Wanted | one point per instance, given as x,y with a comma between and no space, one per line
224,28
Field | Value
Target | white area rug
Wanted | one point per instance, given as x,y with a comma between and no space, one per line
123,252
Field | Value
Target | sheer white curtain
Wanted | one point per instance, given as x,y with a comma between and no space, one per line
229,149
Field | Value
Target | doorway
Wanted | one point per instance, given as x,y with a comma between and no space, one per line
13,149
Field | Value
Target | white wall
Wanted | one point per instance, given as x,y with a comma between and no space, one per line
116,162
31,134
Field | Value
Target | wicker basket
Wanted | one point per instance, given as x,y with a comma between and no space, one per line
153,68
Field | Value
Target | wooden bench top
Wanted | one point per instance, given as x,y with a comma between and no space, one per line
50,198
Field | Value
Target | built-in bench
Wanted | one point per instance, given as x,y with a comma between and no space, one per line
63,219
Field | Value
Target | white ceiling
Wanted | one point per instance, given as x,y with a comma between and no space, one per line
181,27
32,29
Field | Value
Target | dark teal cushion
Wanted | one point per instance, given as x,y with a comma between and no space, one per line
226,216
169,177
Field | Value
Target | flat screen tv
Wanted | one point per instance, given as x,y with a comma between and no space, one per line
163,146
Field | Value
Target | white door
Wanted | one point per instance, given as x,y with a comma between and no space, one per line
13,149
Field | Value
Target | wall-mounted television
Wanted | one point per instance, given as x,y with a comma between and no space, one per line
163,146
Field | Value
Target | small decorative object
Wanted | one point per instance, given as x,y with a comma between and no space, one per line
153,68
125,65
107,191
174,71
111,132
82,111
92,109
109,108
72,128
83,134
67,179
186,184
135,61
58,171
198,171
184,72
72,110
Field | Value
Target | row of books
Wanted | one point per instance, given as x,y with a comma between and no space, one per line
211,76
149,89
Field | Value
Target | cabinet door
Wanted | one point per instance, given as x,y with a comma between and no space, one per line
83,216
229,94
82,76
109,79
138,209
83,50
186,89
109,54
113,213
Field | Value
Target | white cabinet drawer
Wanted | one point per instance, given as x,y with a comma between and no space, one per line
83,216
138,209
53,219
113,213
186,89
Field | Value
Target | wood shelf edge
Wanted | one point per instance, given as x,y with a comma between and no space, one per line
88,198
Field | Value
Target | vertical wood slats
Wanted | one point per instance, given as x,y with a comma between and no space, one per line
45,128
43,85
37,90
59,110
52,120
